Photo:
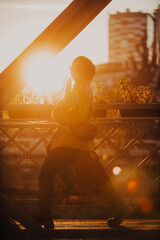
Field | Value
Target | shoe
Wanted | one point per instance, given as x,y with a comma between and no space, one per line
121,212
44,219
113,222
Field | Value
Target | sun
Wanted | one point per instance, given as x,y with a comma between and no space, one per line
45,73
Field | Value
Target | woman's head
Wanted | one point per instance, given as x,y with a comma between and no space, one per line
82,69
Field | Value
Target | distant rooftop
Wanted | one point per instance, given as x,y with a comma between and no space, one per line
109,67
128,13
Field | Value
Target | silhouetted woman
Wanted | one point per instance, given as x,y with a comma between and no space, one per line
69,151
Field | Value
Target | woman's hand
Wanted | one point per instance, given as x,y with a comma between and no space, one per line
67,90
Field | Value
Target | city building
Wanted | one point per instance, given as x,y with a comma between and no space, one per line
108,73
127,30
157,34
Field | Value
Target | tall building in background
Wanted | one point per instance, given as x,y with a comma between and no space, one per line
134,49
126,31
157,34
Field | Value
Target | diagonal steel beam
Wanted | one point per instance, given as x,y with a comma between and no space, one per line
55,37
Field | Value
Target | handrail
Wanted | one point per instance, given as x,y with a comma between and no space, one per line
98,106
46,111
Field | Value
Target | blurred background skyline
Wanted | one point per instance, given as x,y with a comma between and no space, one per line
22,21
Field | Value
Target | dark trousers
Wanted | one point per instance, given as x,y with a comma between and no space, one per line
88,175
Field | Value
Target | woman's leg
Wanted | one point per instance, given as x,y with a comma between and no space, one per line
45,193
104,188
53,164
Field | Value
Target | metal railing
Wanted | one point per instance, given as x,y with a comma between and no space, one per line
133,144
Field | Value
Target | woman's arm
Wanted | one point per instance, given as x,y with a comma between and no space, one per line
76,111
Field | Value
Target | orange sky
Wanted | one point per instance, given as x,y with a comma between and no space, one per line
22,20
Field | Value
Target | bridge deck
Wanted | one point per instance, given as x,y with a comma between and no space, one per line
98,229
135,224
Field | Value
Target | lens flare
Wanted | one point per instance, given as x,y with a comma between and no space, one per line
146,205
132,185
116,170
104,157
44,72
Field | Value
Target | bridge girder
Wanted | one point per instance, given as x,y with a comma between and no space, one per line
55,37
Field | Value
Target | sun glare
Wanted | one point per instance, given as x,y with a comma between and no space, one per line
146,205
44,72
132,185
116,170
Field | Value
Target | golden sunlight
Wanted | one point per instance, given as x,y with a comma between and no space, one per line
44,72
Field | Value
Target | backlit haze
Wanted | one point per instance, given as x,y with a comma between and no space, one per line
21,21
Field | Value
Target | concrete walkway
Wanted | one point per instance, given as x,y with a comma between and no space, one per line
98,229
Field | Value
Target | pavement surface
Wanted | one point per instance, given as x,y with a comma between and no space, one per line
98,229
102,224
